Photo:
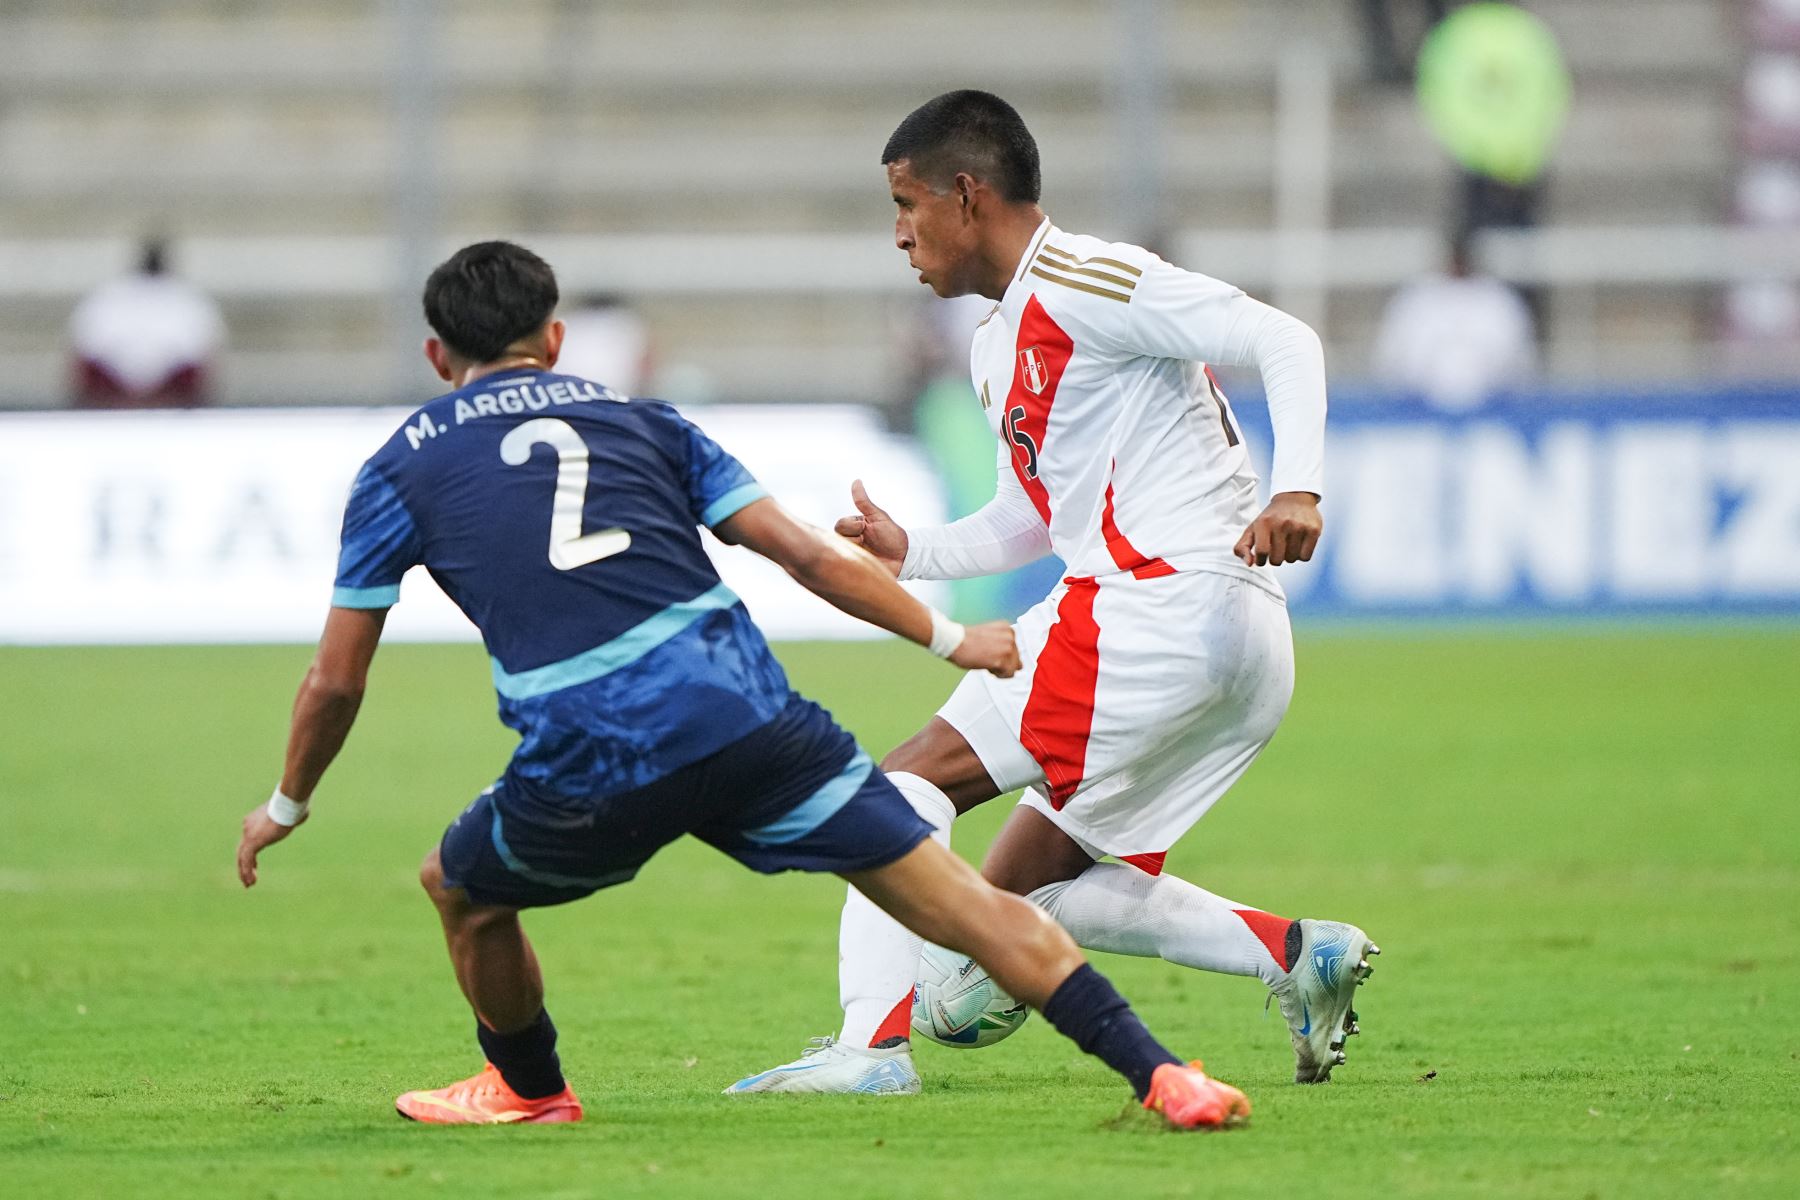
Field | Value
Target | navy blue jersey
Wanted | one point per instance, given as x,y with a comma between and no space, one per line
561,518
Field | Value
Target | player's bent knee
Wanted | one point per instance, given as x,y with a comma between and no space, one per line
913,757
941,756
431,878
431,873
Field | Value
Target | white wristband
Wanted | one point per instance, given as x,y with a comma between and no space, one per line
284,810
946,635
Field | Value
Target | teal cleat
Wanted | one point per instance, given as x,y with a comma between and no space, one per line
1317,993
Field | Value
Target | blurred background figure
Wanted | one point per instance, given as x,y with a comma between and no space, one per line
1456,337
1495,91
1763,315
1634,165
1393,30
145,340
608,341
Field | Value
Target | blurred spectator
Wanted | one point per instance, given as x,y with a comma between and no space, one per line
1393,30
1494,88
607,341
934,337
1762,317
1776,23
1456,338
147,340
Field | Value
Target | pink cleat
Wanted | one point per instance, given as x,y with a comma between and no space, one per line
1187,1099
485,1099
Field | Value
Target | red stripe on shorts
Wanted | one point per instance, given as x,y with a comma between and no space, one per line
1149,864
1127,556
1059,713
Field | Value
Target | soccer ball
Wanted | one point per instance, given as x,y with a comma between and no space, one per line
956,1004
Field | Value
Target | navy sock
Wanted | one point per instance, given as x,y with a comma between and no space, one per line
526,1059
1089,1011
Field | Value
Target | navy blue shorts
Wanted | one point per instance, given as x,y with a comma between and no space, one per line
797,794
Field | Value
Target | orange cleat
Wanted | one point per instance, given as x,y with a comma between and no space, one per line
485,1099
1187,1099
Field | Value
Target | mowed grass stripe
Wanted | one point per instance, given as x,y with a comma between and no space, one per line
1580,854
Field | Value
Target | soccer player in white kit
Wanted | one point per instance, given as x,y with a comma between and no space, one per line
1159,668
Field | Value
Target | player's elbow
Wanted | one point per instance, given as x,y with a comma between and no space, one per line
1304,340
1280,332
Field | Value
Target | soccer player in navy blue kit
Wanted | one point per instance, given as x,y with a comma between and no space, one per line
562,519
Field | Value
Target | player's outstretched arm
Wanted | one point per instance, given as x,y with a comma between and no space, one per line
851,579
324,710
1003,534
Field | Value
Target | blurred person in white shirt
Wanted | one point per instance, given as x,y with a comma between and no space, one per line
608,341
145,340
1456,338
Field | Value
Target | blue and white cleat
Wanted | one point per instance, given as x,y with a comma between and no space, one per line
1317,993
826,1068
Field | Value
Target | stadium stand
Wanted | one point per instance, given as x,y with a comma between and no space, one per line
563,119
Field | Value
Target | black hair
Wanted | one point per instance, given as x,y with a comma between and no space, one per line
487,296
970,132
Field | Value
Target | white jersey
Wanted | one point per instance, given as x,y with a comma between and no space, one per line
1113,431
1149,682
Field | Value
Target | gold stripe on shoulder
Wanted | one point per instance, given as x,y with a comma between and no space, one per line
1031,250
1082,262
1120,280
989,317
1125,267
1080,287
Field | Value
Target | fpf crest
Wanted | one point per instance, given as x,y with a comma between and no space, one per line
1033,371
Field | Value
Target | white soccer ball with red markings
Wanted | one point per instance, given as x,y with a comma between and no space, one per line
956,1004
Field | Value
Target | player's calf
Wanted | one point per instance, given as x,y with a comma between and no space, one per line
1032,958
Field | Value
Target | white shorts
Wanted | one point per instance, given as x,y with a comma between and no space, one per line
1140,703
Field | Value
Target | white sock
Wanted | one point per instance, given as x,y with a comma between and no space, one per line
1118,908
878,958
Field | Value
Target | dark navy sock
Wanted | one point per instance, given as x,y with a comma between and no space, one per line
526,1059
1089,1011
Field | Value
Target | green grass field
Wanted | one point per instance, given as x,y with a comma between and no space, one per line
1580,851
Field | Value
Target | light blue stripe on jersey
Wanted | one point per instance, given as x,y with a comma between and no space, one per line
731,502
518,867
817,808
608,657
370,597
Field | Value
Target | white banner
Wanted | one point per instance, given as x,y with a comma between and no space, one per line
223,526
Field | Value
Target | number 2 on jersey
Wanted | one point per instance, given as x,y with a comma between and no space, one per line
569,547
